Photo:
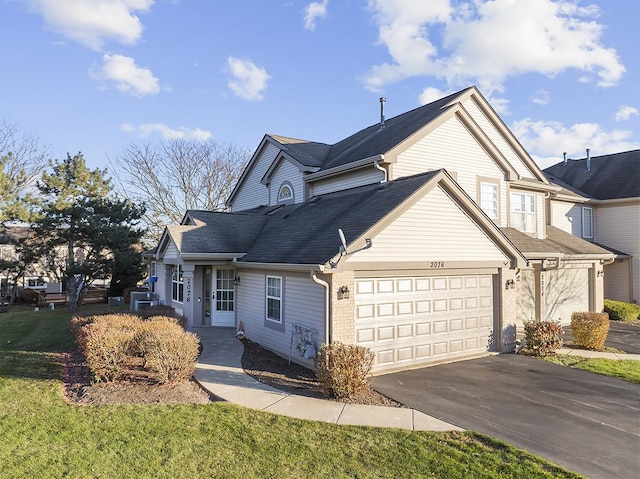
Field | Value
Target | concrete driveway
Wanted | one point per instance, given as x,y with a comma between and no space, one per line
586,422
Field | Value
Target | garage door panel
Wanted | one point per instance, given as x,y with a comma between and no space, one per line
413,320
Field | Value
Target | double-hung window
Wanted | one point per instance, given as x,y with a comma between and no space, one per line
489,199
177,283
587,222
523,212
274,299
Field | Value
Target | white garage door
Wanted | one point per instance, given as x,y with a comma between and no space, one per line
407,321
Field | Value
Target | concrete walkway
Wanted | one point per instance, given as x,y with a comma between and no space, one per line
219,371
597,354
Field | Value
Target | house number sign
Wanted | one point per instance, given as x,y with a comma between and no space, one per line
188,290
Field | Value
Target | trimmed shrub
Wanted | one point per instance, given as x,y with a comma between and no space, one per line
163,310
107,342
168,351
344,369
590,329
543,337
621,311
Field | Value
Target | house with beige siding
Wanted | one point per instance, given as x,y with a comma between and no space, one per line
599,201
424,237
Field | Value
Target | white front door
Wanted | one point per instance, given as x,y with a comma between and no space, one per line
222,306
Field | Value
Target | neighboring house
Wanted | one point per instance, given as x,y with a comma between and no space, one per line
600,202
34,277
447,246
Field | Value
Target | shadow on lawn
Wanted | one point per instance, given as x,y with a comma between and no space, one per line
30,365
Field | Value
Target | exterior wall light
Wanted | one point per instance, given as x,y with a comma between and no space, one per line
236,280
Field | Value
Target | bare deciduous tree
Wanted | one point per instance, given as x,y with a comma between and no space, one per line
176,175
24,158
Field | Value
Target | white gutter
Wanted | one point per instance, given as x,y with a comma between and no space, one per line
281,266
342,168
376,165
325,285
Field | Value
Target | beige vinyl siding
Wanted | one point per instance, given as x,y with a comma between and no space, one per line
435,228
616,281
303,303
451,146
352,179
253,193
619,227
497,139
287,171
567,216
566,291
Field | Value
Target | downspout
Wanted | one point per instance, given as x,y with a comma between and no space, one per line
325,285
376,165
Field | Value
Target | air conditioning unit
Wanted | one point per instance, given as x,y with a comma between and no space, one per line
144,304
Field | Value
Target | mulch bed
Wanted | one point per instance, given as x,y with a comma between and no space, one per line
137,388
134,388
276,371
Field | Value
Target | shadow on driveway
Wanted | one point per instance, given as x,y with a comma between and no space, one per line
586,422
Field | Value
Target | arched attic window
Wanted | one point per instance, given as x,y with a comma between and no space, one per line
285,193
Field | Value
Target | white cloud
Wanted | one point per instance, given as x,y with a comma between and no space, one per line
312,12
547,140
542,97
129,77
430,94
145,130
248,80
93,22
485,42
625,112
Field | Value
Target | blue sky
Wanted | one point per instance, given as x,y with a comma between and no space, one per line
97,75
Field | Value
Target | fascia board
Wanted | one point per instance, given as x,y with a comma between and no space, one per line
279,266
509,137
211,256
282,156
537,186
343,168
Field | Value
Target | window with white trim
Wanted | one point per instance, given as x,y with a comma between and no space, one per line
34,283
523,212
285,194
587,222
489,199
274,299
177,284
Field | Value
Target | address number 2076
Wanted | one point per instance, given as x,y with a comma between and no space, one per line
437,264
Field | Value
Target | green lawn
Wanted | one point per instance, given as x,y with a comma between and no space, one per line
625,369
43,436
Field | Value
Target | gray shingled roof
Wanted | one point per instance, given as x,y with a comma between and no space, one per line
557,242
610,177
309,153
222,233
368,142
307,233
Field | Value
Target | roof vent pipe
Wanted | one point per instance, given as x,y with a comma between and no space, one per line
382,101
588,160
564,154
